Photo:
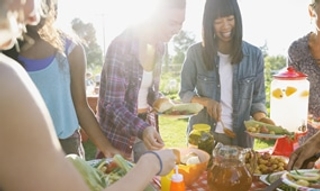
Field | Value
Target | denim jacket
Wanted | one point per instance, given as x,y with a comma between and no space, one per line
248,88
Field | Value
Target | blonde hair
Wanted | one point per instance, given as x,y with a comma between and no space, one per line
48,32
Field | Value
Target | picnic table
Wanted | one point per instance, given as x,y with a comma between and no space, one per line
201,184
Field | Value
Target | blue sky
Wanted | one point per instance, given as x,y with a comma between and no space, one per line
277,22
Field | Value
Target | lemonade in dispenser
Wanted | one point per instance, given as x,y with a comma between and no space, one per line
289,98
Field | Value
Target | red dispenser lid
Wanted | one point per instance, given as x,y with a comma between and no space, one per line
290,74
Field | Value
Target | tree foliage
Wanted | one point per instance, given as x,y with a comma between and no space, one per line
87,34
272,65
181,43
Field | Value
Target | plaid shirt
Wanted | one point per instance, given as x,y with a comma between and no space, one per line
119,88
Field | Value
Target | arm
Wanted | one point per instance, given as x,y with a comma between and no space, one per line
188,83
304,156
188,79
148,165
77,60
258,108
34,166
34,157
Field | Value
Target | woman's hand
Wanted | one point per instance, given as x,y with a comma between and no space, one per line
213,109
267,121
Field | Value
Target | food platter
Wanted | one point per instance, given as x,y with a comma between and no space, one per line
260,130
265,135
295,183
116,171
275,160
266,163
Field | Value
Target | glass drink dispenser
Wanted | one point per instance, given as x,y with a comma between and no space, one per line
289,99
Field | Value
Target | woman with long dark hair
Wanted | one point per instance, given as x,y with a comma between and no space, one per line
226,75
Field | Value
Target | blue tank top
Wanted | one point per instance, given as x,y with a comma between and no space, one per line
52,78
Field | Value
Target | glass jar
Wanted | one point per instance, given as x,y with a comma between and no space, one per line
229,171
289,99
201,138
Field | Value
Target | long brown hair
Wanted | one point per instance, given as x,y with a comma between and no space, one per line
213,10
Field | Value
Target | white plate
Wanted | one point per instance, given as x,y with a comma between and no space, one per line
265,135
253,123
263,178
293,184
190,108
177,116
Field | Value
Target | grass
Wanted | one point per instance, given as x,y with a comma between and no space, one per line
173,133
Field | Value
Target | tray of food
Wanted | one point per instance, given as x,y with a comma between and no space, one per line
267,163
303,179
263,130
113,169
167,108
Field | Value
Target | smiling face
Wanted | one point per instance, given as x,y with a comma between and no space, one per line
13,17
223,28
169,24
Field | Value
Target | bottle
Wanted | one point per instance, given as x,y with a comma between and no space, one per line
201,138
165,181
177,183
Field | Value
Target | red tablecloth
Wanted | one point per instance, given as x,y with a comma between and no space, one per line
201,184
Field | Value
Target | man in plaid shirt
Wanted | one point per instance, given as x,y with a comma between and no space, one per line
130,80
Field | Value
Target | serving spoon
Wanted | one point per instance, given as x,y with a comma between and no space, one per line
227,131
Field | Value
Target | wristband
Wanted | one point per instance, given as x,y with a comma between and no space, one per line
160,161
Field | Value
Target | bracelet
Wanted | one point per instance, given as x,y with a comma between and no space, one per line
160,161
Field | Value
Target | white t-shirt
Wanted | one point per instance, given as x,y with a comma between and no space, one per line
226,75
143,92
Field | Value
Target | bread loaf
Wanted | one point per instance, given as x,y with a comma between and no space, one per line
162,104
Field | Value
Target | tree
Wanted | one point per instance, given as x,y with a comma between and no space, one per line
87,34
181,43
272,64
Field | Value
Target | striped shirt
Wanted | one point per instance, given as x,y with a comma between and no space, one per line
120,83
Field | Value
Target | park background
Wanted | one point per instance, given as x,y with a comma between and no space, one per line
270,25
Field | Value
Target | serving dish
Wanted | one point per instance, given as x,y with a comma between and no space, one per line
273,164
265,135
258,129
296,184
182,110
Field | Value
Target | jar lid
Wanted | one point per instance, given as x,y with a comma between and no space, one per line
201,127
290,74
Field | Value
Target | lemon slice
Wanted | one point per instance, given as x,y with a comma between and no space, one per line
277,93
290,90
304,93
